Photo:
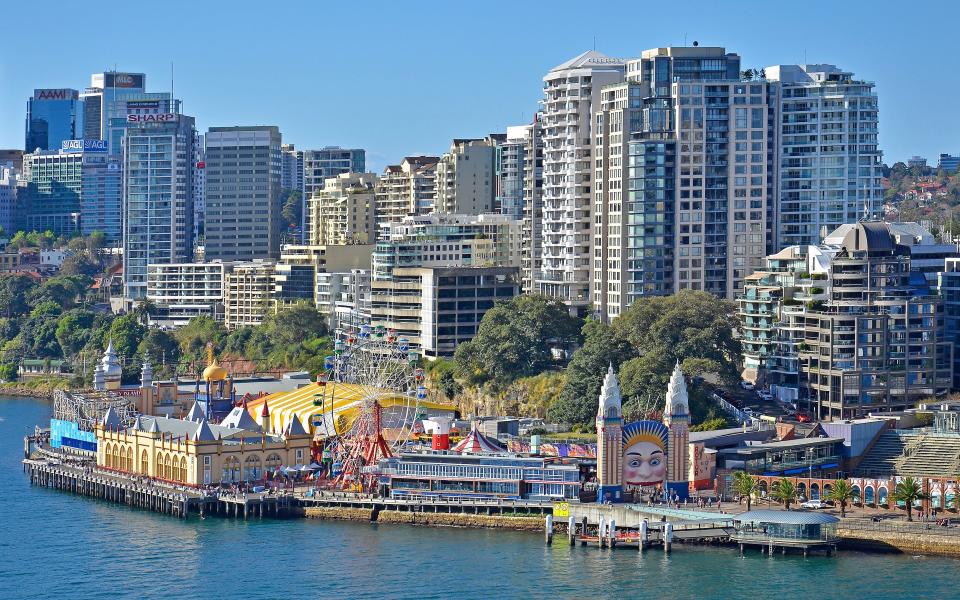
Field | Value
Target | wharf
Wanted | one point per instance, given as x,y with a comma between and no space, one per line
166,498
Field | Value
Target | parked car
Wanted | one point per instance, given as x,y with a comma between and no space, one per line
746,385
748,411
814,504
803,417
765,395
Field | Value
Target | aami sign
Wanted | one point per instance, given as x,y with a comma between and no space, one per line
161,118
51,94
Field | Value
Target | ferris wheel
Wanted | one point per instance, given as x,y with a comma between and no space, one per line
371,398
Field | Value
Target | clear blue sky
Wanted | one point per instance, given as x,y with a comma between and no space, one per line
400,78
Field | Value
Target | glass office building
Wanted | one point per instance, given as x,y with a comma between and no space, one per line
53,115
158,198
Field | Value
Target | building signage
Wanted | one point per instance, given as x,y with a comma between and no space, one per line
83,145
123,80
160,118
60,94
143,104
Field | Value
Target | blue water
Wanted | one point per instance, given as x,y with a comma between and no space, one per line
56,545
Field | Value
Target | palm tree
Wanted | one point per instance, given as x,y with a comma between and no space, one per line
784,491
909,491
841,492
745,486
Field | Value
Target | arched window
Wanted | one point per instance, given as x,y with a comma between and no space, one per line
231,469
183,469
273,463
123,458
868,495
144,463
882,496
107,459
814,491
251,468
167,467
857,496
116,457
130,460
158,466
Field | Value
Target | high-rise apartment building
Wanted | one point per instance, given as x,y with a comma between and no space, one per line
328,162
182,291
851,324
291,168
510,157
531,241
406,189
248,292
115,101
53,116
465,180
829,161
242,218
344,211
199,186
8,197
684,177
158,173
571,94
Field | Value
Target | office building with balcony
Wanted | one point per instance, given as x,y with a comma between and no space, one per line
53,117
158,172
829,160
344,211
182,291
406,190
849,325
438,308
571,94
242,219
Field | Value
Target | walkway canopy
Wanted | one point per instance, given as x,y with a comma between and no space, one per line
323,409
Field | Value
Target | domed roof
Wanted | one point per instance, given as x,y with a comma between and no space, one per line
214,372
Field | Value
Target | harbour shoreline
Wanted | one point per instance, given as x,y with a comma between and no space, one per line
346,507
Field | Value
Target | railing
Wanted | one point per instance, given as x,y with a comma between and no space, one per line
909,527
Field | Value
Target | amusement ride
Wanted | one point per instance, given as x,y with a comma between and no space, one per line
377,372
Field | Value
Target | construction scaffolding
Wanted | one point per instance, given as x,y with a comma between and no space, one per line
87,408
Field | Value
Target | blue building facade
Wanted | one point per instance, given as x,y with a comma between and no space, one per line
53,116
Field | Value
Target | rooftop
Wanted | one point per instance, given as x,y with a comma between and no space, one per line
787,517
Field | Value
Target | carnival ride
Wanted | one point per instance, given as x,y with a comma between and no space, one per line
377,372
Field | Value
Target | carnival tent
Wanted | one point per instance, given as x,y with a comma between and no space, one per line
333,407
477,443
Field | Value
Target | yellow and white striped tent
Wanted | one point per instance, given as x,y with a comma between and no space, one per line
334,407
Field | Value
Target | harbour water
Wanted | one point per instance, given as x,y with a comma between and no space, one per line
54,544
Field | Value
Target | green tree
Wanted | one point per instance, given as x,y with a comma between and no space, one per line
292,207
74,330
784,491
745,486
194,336
841,492
14,293
292,324
909,491
161,348
516,339
443,377
601,347
79,264
710,425
127,333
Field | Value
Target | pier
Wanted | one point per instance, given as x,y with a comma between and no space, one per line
177,501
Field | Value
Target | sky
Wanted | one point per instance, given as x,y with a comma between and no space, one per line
404,78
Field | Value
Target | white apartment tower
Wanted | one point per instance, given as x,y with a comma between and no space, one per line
571,94
829,158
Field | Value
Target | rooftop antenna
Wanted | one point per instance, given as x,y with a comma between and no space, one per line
594,42
684,38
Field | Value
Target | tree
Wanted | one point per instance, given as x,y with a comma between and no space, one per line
292,208
841,493
79,264
710,425
516,339
784,491
74,330
745,486
194,336
685,326
909,491
127,333
442,374
294,323
145,309
14,291
601,348
160,348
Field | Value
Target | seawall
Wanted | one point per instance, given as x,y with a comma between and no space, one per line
925,541
512,522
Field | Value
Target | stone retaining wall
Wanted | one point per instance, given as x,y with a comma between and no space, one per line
339,513
894,541
521,523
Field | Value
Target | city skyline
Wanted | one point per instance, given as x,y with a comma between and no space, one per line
446,88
